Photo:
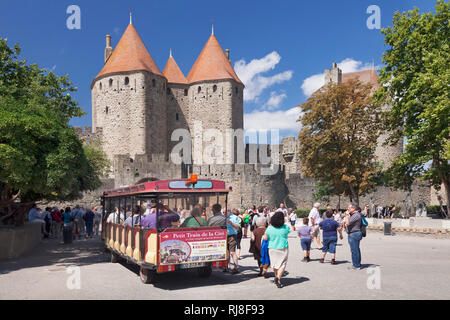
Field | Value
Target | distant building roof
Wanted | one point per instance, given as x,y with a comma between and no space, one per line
365,76
130,54
212,64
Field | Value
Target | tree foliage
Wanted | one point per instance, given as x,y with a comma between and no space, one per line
340,128
415,80
41,157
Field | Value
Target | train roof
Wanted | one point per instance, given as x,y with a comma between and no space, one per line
178,186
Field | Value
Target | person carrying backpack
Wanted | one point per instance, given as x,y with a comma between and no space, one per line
245,222
353,225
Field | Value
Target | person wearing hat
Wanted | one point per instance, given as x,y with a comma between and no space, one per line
314,220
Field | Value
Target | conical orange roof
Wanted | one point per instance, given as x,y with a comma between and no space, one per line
130,54
173,73
212,64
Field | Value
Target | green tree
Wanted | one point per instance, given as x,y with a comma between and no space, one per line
415,81
339,137
41,157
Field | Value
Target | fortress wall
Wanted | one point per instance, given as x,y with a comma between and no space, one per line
386,154
89,198
249,187
177,111
130,171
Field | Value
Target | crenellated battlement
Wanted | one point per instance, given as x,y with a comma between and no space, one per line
87,135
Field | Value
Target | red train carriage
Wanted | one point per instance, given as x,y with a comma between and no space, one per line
164,248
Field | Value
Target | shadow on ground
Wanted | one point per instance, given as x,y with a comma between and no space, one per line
180,280
52,253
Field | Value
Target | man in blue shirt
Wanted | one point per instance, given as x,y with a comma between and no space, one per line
232,230
34,216
330,229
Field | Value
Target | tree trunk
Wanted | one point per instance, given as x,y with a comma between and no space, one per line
354,197
447,193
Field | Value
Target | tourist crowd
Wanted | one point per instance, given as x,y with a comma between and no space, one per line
267,227
83,222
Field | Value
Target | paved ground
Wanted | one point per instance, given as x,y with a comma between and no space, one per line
408,268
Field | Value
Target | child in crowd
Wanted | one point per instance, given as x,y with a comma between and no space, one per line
305,232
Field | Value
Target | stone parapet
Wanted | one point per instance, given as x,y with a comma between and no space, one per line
16,241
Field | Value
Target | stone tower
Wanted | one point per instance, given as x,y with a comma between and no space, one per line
129,98
215,102
177,100
334,75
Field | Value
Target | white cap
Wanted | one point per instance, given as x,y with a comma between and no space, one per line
317,205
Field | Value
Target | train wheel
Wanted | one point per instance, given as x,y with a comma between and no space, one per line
205,272
147,276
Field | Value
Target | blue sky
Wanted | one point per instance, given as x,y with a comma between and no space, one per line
279,47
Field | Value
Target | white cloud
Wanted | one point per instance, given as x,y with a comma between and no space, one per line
347,65
274,100
268,120
255,84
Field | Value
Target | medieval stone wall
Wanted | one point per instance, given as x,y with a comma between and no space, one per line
177,110
214,105
155,105
118,103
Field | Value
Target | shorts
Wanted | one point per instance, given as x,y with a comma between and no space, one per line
231,243
316,231
329,245
293,223
306,244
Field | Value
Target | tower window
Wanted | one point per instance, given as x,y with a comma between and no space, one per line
110,82
199,89
214,88
236,90
168,91
100,86
127,81
106,110
177,117
153,83
185,92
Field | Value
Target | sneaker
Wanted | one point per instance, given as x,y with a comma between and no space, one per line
235,271
308,259
352,268
333,261
266,276
322,260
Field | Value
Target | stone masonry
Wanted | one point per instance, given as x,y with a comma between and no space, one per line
136,108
